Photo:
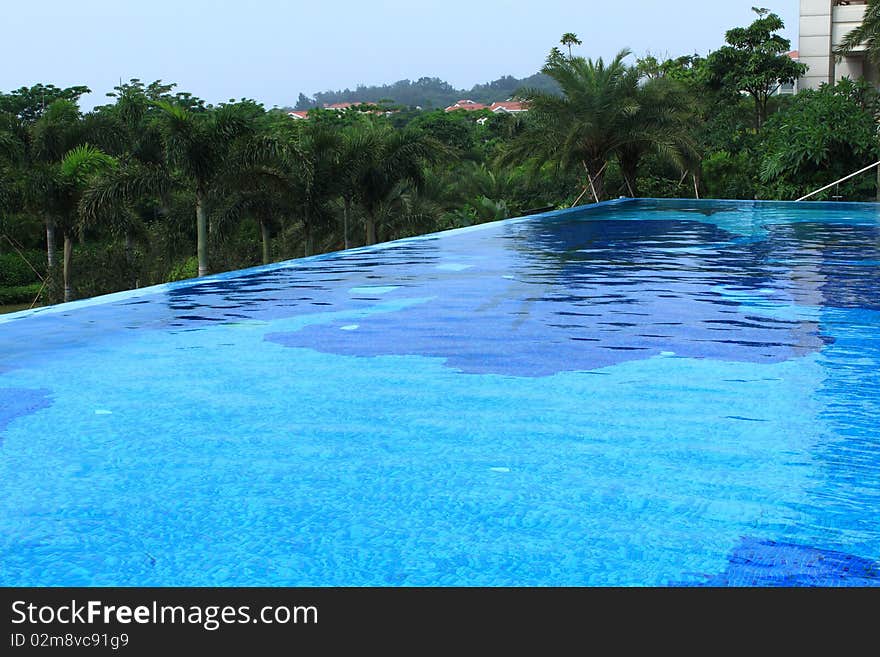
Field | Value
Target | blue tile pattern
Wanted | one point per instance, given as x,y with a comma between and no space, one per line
613,395
771,564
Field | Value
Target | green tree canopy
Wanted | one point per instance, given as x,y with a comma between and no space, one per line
755,61
29,103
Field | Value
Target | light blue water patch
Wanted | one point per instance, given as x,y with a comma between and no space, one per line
373,289
450,266
395,489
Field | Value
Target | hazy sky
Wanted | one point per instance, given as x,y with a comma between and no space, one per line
270,50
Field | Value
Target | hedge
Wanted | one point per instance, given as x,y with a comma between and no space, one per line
19,294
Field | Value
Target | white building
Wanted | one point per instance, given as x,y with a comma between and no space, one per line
823,24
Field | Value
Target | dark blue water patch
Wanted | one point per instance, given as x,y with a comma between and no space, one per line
209,303
18,402
581,295
766,563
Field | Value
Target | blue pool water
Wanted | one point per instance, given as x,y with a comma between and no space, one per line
639,393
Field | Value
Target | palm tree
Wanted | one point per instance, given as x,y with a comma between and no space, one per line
479,193
12,149
61,187
354,155
867,34
659,124
260,185
587,125
604,113
394,164
111,198
197,144
570,39
313,177
54,134
124,198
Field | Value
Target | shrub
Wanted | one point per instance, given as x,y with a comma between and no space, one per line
731,176
19,294
188,268
15,270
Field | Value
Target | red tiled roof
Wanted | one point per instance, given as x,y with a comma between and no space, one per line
468,105
794,54
509,106
339,105
299,114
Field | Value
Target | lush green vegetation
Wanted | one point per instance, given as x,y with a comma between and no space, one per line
157,185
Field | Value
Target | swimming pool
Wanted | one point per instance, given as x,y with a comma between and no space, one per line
637,393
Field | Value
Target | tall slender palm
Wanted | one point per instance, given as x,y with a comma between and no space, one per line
584,128
867,34
54,134
260,184
393,158
12,149
354,156
197,144
111,199
124,198
313,176
570,39
61,186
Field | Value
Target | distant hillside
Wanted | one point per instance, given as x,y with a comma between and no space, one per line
428,92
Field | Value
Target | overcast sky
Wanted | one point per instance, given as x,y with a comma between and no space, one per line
270,50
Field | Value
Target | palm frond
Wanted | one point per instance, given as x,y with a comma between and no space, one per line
83,163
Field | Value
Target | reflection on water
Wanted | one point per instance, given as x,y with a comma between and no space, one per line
580,295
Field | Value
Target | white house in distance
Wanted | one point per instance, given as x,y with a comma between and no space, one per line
508,107
823,24
466,105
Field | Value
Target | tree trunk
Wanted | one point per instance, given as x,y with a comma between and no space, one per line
308,239
202,233
760,111
599,184
629,167
50,243
631,184
595,171
346,212
370,225
264,234
68,256
129,247
129,261
597,176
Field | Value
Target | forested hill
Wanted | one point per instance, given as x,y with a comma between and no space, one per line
428,92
